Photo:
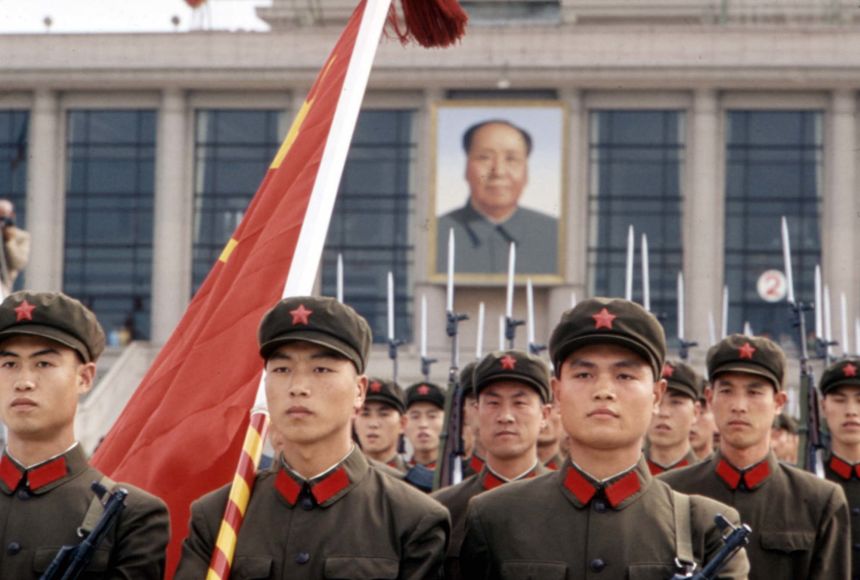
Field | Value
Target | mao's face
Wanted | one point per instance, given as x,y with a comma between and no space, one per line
497,169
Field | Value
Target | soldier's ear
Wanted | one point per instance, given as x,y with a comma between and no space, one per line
360,392
659,392
86,377
709,395
780,398
697,410
555,384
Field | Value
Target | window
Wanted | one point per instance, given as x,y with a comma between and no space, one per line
110,160
370,226
232,152
635,173
773,169
13,167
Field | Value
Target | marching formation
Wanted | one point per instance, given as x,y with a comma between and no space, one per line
622,488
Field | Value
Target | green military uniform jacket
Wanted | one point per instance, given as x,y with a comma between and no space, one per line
397,462
848,476
799,522
565,525
353,522
456,499
686,461
42,507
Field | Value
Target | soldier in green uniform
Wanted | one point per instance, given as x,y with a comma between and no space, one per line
513,392
323,510
602,514
799,522
669,435
425,418
473,459
379,424
784,438
49,345
840,388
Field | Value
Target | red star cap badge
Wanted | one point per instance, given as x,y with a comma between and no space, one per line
508,362
746,351
603,319
24,311
301,315
423,390
668,371
849,370
375,386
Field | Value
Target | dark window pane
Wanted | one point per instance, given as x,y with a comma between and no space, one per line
110,161
635,163
774,169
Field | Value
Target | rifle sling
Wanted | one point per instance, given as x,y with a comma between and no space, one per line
96,509
683,528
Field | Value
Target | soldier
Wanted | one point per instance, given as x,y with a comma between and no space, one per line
49,345
799,522
549,440
669,435
602,512
474,451
784,438
513,392
379,424
425,417
322,511
840,389
704,432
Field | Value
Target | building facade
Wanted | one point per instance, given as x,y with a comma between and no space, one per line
700,123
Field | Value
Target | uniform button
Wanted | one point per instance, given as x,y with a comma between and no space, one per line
307,503
23,493
599,506
13,548
855,511
303,558
597,565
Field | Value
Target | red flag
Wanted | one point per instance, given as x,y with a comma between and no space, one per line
181,433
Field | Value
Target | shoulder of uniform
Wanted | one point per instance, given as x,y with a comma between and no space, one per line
704,509
683,475
448,494
812,485
386,469
515,492
141,498
403,497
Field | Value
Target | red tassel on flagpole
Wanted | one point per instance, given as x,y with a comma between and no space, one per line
430,23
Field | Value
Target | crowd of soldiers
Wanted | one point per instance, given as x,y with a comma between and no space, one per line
608,461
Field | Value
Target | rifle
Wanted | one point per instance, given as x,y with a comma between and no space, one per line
449,470
70,561
811,437
734,538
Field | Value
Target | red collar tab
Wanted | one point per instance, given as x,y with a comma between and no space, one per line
616,492
551,464
844,469
491,481
37,477
476,463
322,490
657,469
751,478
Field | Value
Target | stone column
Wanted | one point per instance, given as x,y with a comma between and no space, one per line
839,212
45,207
171,268
704,219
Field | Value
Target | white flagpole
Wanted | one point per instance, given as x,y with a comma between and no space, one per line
827,321
502,333
512,266
646,275
628,271
786,256
530,305
819,315
390,307
681,306
725,311
479,343
712,329
843,316
424,326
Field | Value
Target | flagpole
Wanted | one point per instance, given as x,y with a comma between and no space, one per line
393,343
340,277
303,267
479,338
510,323
646,276
426,361
628,270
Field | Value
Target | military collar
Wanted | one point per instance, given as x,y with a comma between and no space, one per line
396,462
656,469
842,468
413,463
325,489
476,463
42,477
748,479
489,479
554,462
620,490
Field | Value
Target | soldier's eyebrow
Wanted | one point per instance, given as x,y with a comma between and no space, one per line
42,352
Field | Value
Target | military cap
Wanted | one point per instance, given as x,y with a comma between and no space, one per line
513,365
54,316
425,393
387,392
682,378
786,423
319,320
609,321
843,372
467,376
756,355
